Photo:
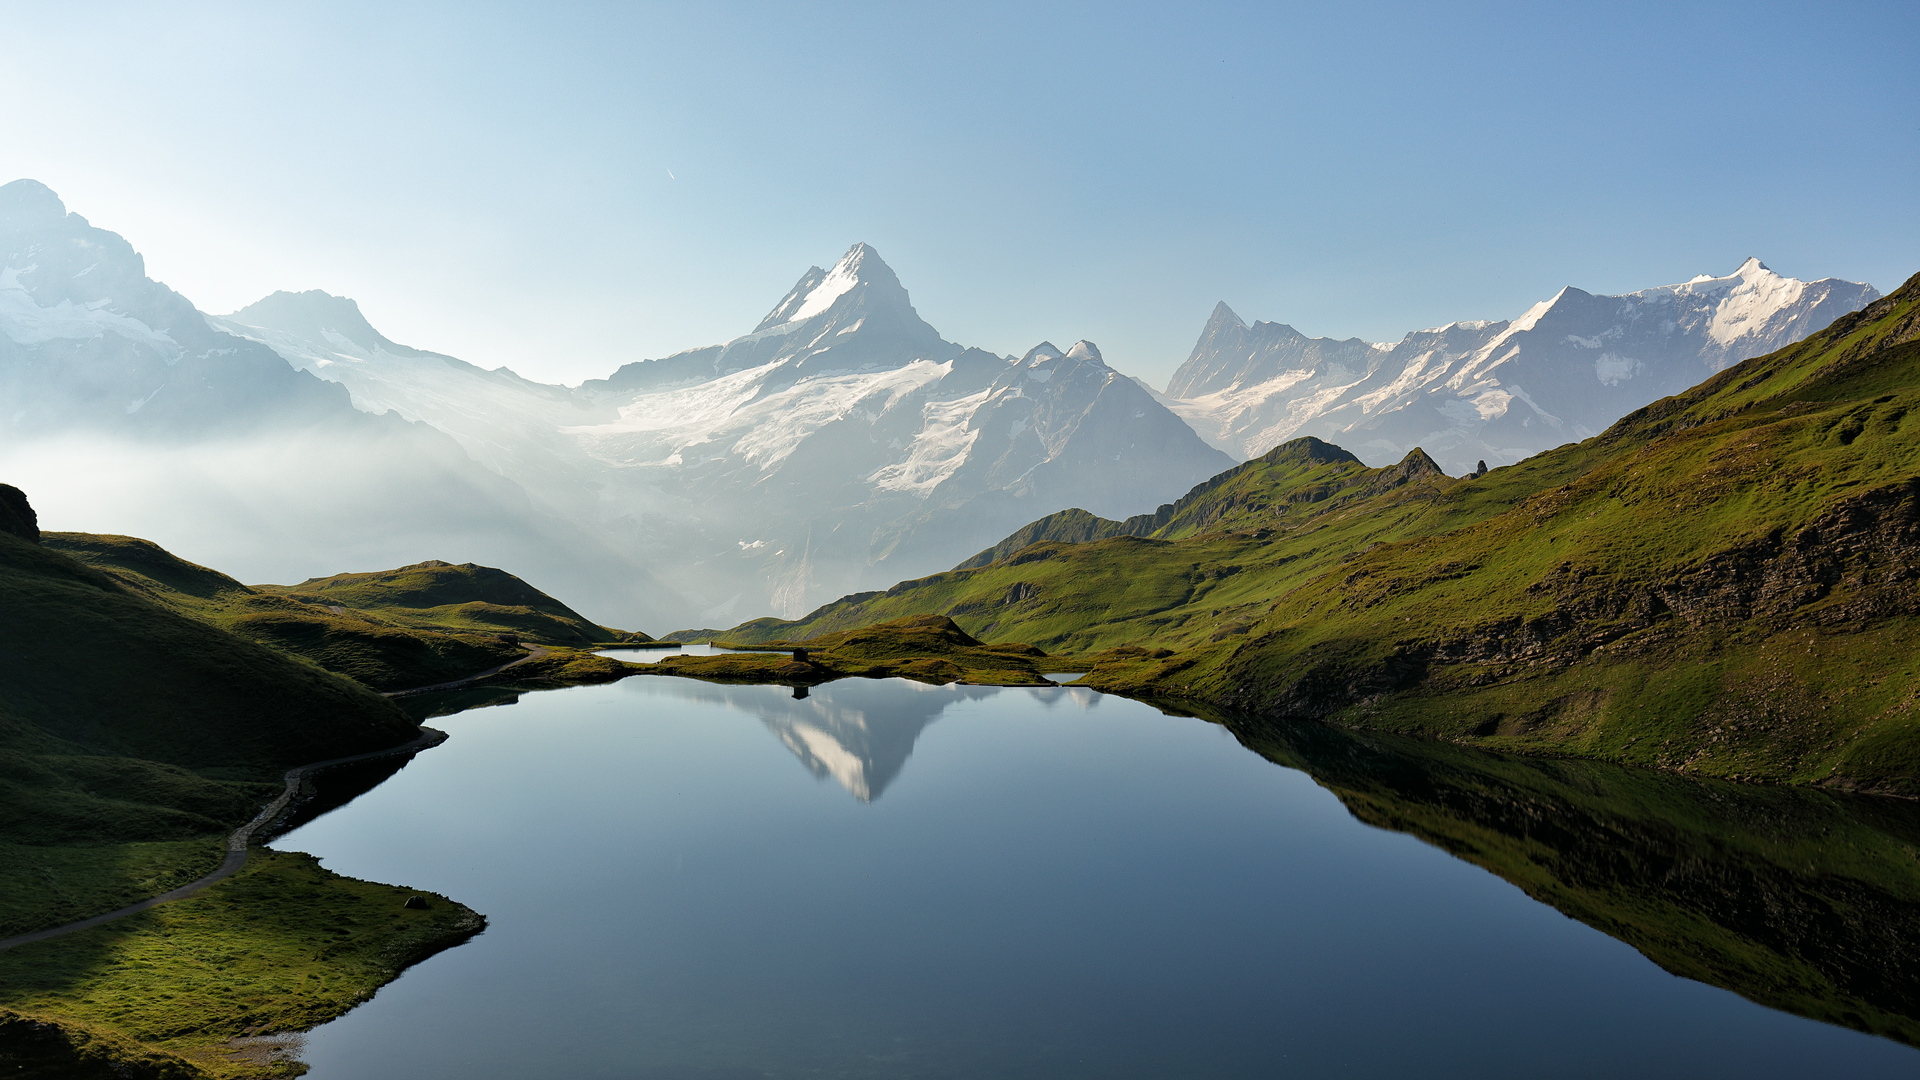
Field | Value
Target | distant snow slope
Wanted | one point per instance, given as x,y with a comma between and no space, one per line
841,445
1493,391
123,410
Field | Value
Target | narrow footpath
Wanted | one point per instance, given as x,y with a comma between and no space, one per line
238,840
534,652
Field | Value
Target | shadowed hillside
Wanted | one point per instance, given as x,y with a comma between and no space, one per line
135,733
392,630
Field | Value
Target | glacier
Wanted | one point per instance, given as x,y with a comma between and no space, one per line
840,445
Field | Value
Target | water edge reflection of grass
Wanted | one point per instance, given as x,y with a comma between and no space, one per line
1795,899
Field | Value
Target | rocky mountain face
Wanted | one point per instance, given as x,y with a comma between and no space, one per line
1720,584
1493,391
841,444
89,342
125,410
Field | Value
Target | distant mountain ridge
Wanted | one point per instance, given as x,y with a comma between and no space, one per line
1494,391
1720,584
840,446
842,443
115,390
88,341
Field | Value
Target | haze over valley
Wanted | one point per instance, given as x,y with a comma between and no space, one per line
1030,541
842,445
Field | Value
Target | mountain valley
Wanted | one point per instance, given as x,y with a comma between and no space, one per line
840,445
1674,532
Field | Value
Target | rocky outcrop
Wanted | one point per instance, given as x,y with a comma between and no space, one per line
16,514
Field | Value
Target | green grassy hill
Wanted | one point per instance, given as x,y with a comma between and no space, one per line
463,597
1725,582
134,735
415,626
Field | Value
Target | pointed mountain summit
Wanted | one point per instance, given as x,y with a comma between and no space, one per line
1223,318
841,444
1231,354
860,272
854,317
1041,353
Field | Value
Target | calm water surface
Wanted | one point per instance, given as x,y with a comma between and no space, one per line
648,656
890,880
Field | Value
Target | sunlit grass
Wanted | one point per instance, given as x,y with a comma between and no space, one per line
280,947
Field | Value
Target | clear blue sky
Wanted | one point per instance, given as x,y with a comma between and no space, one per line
565,188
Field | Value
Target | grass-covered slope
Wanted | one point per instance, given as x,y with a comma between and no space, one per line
1726,582
415,626
133,737
94,667
176,991
459,597
1209,564
1308,469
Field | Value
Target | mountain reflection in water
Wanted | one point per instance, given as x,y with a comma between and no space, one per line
1793,898
861,734
1796,899
1067,885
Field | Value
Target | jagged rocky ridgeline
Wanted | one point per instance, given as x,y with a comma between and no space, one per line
840,446
1721,582
1500,391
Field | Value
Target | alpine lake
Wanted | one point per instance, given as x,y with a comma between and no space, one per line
879,878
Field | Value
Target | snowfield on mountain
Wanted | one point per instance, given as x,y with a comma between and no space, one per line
842,444
1493,391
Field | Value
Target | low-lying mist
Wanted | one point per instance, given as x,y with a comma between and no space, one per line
285,508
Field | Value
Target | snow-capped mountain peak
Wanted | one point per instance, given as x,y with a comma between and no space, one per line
315,316
1040,354
1499,391
29,204
841,444
820,291
1753,301
1223,317
855,317
1085,350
